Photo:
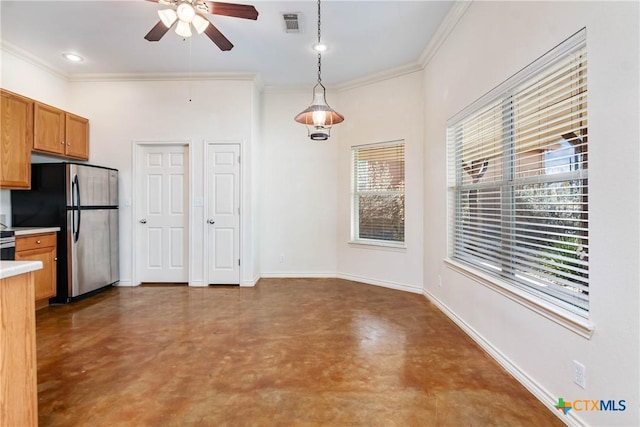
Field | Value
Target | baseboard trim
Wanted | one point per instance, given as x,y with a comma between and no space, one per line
297,275
197,284
529,383
250,283
127,283
381,283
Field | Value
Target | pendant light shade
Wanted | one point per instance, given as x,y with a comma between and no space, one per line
319,117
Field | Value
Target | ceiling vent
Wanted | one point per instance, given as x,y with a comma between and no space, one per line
291,22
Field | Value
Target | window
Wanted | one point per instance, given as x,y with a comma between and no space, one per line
378,193
518,180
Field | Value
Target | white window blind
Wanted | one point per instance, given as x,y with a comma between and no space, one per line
378,192
518,183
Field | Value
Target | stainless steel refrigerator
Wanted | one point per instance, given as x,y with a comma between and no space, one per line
83,201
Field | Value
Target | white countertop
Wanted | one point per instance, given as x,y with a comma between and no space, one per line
25,231
13,268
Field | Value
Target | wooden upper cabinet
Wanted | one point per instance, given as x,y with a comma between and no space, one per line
49,124
60,133
16,129
77,137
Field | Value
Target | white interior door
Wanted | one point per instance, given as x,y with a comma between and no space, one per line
162,227
223,214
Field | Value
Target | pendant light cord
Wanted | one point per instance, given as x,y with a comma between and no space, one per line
319,54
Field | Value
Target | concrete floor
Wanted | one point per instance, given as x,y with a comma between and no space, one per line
289,352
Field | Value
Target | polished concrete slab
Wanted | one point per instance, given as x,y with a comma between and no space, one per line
289,352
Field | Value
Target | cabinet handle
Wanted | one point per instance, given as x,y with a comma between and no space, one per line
62,142
38,241
68,143
55,259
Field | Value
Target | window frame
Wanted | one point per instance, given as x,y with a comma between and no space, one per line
502,96
355,239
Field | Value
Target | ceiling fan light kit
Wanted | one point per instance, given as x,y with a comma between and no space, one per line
199,23
168,17
185,12
191,12
319,117
183,29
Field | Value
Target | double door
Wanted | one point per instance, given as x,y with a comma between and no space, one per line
163,228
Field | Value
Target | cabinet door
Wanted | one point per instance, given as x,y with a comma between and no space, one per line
77,137
40,248
49,126
16,140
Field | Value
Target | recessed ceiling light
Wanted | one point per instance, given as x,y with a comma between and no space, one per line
73,57
320,47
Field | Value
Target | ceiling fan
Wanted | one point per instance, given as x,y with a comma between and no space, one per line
189,13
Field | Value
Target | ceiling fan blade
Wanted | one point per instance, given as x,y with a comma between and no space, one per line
157,32
218,38
245,11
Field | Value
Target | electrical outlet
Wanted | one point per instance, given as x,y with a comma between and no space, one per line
579,374
439,280
3,219
281,259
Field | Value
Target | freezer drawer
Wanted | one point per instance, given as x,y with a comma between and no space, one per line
90,257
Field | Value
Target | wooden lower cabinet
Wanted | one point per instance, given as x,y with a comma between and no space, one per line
40,247
18,382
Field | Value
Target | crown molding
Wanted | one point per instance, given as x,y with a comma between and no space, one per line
120,77
289,88
32,59
381,76
446,26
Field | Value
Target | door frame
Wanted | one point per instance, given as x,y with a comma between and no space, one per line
206,246
137,147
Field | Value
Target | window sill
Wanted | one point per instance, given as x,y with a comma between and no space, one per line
378,245
571,321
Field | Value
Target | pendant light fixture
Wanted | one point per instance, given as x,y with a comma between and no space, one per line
319,117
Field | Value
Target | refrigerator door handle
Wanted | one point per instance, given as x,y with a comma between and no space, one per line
73,206
76,225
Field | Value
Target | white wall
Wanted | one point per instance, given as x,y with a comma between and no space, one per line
34,80
492,41
122,112
298,190
388,110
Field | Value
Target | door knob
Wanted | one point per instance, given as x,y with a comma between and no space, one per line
143,221
210,221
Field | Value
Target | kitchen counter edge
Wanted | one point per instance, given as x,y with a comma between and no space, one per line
25,231
14,268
